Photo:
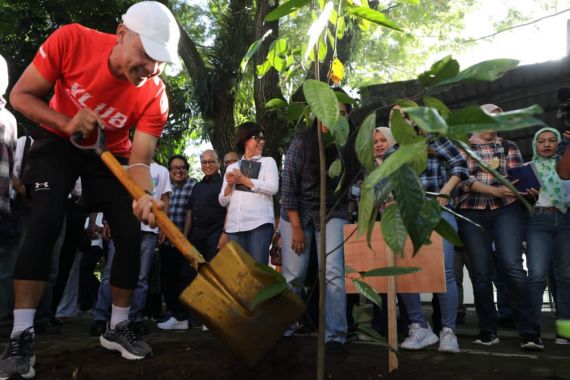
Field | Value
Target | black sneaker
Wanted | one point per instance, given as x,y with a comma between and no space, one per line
531,342
486,338
18,359
98,328
125,340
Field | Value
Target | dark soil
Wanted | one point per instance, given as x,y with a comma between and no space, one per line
197,355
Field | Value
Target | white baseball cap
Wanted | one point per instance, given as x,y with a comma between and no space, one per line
157,29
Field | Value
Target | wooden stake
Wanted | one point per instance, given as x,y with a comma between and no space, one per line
392,320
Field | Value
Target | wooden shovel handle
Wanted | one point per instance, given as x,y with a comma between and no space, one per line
172,232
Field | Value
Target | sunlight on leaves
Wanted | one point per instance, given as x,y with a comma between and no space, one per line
253,48
322,100
317,28
285,9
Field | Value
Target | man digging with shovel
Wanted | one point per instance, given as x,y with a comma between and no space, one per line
98,80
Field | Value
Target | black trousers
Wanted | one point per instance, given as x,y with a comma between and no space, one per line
52,167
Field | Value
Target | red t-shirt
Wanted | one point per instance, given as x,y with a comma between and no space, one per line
75,59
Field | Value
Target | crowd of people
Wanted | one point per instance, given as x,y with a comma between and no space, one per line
47,180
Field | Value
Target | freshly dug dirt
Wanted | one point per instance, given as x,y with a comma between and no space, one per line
197,355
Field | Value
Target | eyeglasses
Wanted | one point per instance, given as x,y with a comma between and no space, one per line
208,162
229,162
258,138
179,168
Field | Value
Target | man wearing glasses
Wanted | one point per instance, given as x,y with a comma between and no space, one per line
173,278
230,158
205,218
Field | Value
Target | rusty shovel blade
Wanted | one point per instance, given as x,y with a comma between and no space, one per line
249,331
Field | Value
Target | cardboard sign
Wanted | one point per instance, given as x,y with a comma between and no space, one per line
430,279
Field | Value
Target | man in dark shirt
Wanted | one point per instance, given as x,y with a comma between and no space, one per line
205,218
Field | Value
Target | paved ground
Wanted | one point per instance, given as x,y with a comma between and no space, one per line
197,355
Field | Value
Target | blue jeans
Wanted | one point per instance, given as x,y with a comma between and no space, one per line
503,299
295,270
504,226
102,310
447,300
548,239
256,242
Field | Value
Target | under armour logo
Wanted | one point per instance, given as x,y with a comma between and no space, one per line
38,186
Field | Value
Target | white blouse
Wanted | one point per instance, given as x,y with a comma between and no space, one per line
249,210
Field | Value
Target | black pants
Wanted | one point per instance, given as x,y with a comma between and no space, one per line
175,276
88,283
52,168
74,227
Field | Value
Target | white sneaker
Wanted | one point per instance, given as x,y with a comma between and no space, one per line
205,328
419,337
173,324
448,341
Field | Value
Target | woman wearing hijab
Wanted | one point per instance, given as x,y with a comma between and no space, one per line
548,230
383,141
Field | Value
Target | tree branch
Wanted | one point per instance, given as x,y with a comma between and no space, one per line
516,26
189,53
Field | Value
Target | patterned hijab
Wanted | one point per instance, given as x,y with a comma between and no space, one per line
552,185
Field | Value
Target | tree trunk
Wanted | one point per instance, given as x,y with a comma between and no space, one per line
267,87
214,84
222,135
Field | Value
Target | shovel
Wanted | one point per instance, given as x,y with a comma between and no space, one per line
222,293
